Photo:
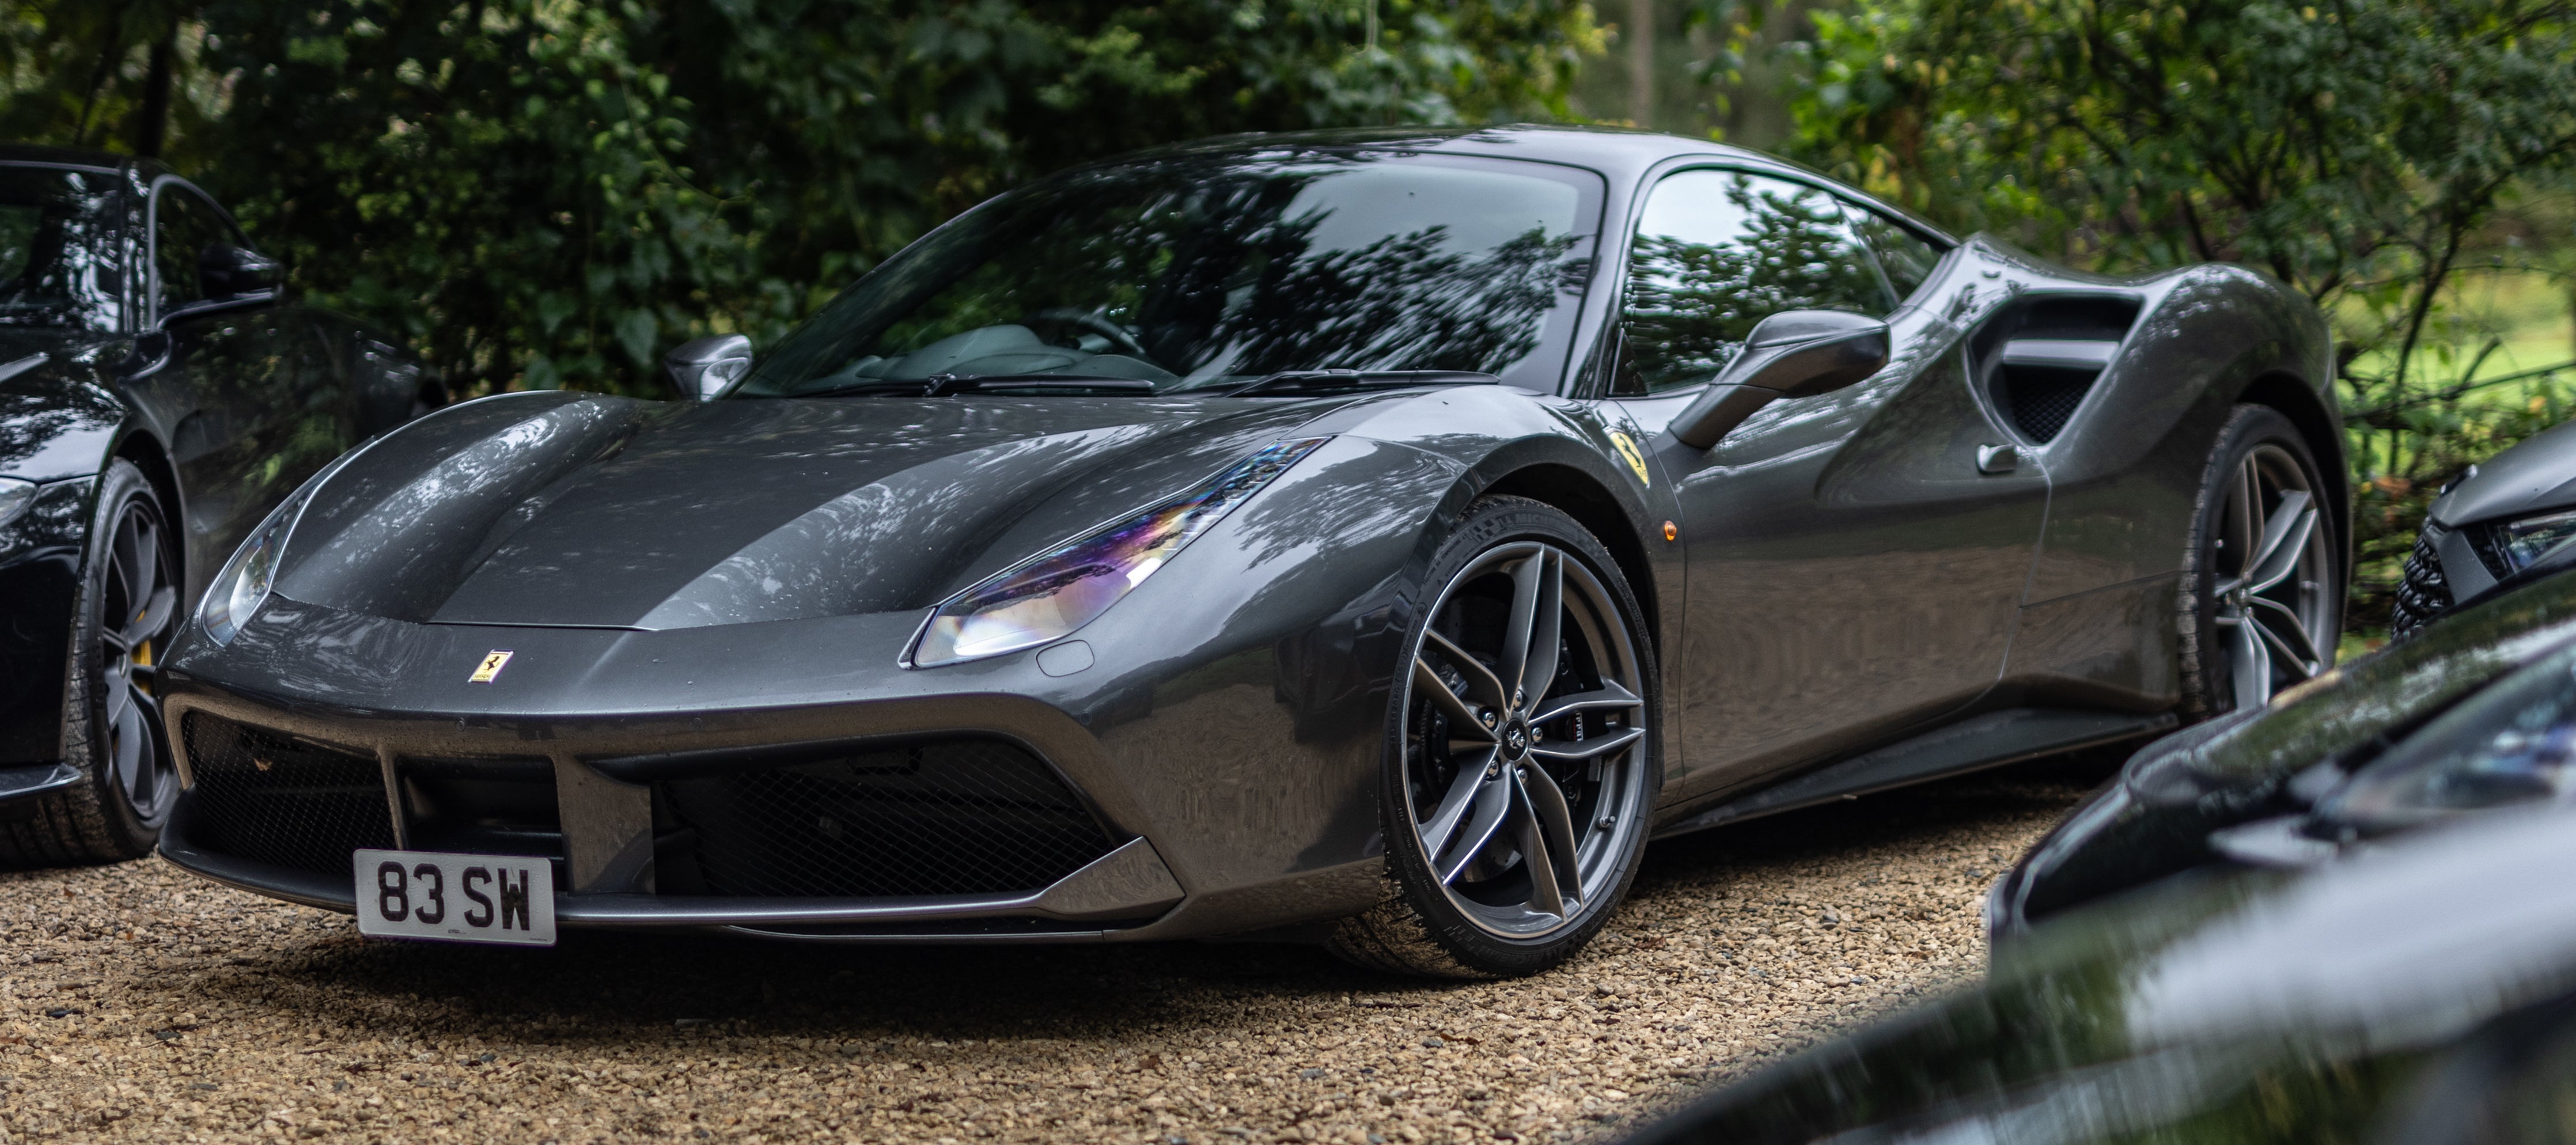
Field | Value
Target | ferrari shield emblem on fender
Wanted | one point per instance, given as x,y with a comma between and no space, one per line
493,662
1627,448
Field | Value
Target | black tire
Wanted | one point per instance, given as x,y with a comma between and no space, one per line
111,729
2257,449
1578,785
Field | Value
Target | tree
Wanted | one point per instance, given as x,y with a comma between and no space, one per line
540,193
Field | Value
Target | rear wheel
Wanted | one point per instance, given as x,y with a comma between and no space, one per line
1520,758
129,610
2262,606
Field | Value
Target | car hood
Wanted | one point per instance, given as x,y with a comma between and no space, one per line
587,510
2288,1006
2534,477
56,418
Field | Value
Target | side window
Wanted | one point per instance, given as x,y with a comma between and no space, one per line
1907,259
183,226
1717,252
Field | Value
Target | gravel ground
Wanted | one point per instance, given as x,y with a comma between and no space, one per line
138,1003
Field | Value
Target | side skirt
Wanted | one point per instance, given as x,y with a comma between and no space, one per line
1990,740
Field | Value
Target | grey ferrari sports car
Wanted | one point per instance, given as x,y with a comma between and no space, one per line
1365,537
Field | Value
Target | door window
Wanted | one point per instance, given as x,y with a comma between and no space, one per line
183,226
1716,252
1906,258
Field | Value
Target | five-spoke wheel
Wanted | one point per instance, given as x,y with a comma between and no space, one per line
2266,599
128,611
1520,764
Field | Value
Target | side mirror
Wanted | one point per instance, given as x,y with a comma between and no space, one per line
229,272
704,368
1792,354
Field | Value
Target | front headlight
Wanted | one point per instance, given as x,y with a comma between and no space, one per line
243,585
2513,742
15,495
2523,541
1050,595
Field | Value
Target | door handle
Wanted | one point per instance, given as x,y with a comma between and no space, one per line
1996,459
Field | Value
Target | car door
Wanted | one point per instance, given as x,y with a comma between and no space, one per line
1853,570
262,410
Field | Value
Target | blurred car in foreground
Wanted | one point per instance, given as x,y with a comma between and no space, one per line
2470,714
2422,992
159,395
2496,519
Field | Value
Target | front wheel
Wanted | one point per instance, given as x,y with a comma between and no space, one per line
1520,754
2262,606
128,612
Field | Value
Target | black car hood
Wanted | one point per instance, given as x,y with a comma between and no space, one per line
571,509
2258,1007
56,419
2534,477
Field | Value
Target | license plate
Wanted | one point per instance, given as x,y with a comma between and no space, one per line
457,898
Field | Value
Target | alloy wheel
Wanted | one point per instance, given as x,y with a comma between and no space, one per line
2274,591
1525,741
139,616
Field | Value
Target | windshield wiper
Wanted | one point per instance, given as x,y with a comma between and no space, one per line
1336,381
942,385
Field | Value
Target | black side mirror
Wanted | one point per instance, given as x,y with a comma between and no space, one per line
1792,354
704,368
228,272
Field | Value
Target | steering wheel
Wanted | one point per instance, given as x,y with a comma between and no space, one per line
1086,320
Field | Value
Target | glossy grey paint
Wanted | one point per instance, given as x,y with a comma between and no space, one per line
221,430
710,578
2535,476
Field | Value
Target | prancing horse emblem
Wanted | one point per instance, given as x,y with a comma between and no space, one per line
493,662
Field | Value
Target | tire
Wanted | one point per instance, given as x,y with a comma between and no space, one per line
111,726
2245,638
1479,782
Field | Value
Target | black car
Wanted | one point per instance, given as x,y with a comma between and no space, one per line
1371,535
2420,994
2492,522
158,396
2470,714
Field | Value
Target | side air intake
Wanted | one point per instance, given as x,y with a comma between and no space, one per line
2039,357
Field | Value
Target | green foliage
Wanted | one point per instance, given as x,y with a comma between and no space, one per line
544,192
2356,150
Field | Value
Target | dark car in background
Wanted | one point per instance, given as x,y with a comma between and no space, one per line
159,394
1380,534
2492,521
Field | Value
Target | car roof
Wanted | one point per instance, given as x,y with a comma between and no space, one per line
29,154
1625,155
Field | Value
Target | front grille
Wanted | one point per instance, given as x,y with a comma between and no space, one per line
950,817
276,799
2423,592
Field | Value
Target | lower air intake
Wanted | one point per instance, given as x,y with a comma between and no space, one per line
950,817
276,799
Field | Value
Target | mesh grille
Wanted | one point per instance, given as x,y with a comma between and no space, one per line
2043,397
2423,592
943,818
276,799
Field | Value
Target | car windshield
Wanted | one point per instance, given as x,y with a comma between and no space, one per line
1206,274
57,250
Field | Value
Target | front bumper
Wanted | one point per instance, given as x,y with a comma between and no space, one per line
1213,814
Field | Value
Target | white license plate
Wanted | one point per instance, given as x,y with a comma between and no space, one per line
458,898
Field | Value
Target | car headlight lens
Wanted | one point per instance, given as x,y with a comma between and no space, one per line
2513,742
2523,541
1054,593
15,496
243,586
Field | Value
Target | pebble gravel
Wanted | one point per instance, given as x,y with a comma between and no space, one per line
138,1003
